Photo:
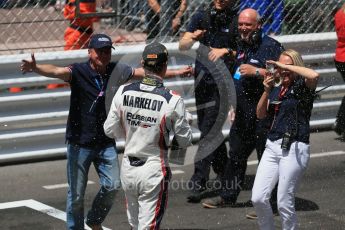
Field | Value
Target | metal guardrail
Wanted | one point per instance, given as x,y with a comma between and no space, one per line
32,123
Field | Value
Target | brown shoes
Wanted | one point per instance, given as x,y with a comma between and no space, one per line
252,215
216,202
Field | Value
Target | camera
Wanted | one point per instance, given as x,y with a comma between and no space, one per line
286,142
270,68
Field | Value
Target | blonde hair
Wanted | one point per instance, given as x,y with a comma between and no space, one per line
295,56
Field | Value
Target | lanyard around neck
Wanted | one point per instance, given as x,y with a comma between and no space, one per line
99,82
277,106
282,92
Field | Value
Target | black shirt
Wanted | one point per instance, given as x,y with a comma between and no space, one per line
221,32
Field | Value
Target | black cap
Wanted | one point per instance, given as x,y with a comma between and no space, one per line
155,54
98,41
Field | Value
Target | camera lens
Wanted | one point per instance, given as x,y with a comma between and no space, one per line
277,81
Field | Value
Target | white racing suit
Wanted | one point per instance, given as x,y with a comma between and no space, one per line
145,113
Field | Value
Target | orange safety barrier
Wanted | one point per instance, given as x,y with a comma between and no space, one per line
55,86
15,89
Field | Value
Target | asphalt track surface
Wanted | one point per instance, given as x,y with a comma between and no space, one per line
33,195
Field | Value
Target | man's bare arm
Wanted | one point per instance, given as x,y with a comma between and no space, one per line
47,70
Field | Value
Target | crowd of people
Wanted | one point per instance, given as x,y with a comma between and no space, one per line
274,92
247,132
87,142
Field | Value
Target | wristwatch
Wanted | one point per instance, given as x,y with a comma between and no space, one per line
257,73
229,51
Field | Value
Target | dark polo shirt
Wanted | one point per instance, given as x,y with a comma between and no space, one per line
250,88
87,112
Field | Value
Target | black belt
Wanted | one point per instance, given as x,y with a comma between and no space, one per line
81,29
135,161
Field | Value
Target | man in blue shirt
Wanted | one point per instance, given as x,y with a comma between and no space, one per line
215,28
85,137
247,133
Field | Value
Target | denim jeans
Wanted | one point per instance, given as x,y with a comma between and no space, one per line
106,164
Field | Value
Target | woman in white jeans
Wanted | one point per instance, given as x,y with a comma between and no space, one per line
287,150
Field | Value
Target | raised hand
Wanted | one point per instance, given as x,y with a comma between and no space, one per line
277,64
187,71
268,82
28,65
247,70
198,34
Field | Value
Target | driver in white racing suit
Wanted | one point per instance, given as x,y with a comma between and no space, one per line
145,113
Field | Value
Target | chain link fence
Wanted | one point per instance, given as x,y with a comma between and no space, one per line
39,25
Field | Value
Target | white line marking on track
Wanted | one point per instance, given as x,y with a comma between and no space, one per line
38,206
327,154
65,185
175,172
255,162
314,155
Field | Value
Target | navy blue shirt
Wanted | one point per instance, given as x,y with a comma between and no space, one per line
221,32
87,112
250,88
293,113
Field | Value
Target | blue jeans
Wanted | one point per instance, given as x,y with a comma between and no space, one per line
106,164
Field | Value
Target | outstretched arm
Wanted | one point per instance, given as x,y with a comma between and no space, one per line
47,70
186,71
182,72
189,38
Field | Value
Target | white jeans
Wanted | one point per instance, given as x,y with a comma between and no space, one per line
288,167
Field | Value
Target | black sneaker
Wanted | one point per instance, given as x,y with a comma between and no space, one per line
275,209
194,196
337,128
216,202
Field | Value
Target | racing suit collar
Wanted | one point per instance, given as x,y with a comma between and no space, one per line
152,80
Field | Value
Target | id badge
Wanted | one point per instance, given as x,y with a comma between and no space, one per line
237,74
